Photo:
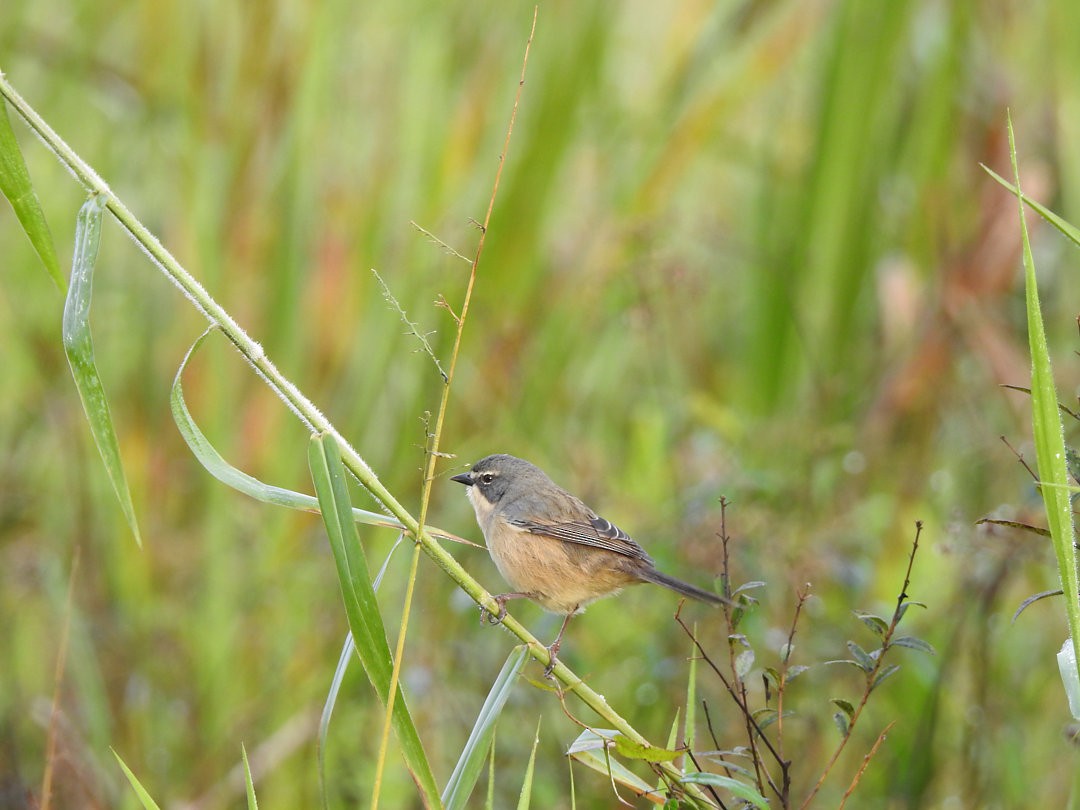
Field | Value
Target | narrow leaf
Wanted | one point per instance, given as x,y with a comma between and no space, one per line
471,762
147,802
862,658
878,626
224,472
252,802
1046,421
648,753
588,749
738,789
886,672
361,608
844,706
16,186
526,786
79,347
1069,231
913,643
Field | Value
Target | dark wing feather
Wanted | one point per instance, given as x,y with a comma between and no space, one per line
597,533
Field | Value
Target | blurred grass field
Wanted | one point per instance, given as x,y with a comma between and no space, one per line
741,250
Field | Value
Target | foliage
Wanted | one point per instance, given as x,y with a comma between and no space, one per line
713,269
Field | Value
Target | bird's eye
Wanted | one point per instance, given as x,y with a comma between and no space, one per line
487,478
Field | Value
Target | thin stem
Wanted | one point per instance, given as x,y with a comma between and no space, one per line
872,675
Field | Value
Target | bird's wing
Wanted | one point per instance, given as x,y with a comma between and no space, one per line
597,533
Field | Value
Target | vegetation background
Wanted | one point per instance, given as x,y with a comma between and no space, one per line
741,249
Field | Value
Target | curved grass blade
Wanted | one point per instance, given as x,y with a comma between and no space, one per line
16,186
1069,231
365,620
79,347
590,749
473,756
147,802
224,472
1047,429
738,789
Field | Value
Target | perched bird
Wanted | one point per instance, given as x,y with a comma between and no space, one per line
551,547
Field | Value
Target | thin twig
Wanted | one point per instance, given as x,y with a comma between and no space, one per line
436,434
437,241
865,764
871,676
785,664
413,329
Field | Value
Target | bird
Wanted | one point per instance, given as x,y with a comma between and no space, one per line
552,548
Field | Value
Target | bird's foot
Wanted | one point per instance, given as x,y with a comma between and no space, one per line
487,617
553,656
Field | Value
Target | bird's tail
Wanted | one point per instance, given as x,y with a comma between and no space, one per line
685,588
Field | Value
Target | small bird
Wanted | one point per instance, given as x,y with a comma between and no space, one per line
551,547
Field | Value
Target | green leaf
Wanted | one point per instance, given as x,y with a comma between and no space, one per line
471,762
347,651
648,753
16,186
861,657
842,723
878,626
252,802
1069,231
902,608
361,608
79,347
224,472
844,706
913,643
1046,418
886,672
147,802
526,786
740,790
590,749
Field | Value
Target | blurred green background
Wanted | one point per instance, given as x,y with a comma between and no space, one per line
741,249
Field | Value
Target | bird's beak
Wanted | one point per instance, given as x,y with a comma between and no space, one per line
463,478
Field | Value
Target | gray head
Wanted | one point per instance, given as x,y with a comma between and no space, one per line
495,475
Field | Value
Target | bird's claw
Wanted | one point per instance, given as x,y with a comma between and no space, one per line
553,657
486,616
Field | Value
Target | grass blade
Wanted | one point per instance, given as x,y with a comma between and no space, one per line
361,608
147,802
526,785
16,186
473,756
1071,232
1047,427
252,802
79,347
229,475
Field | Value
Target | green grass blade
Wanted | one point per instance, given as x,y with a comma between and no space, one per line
16,186
1047,427
474,755
1069,231
252,802
526,787
590,750
147,802
361,608
229,475
79,347
347,650
738,789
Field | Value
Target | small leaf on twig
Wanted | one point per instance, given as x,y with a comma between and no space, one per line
913,643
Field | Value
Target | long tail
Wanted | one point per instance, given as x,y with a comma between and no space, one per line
685,588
